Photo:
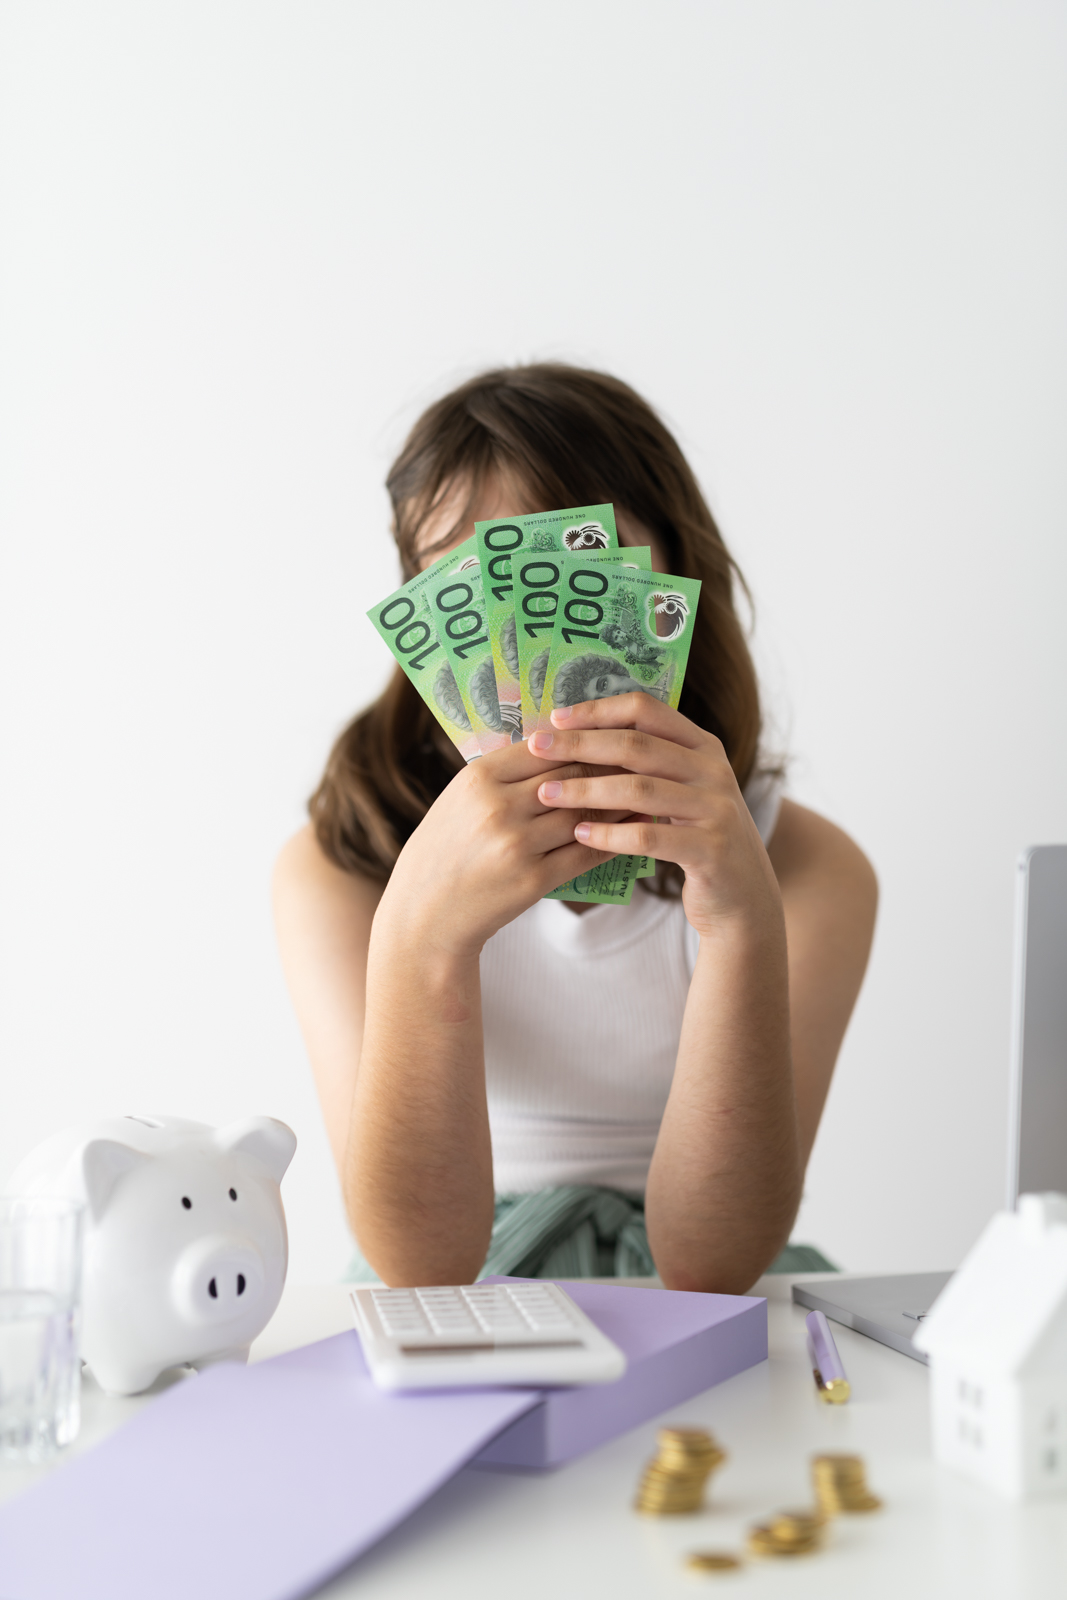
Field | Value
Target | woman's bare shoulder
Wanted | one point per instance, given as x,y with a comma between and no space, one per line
805,843
306,880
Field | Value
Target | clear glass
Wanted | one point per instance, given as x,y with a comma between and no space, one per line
40,1302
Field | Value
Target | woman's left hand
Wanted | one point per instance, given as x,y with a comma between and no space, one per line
683,802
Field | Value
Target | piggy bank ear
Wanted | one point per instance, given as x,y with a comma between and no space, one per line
104,1162
264,1138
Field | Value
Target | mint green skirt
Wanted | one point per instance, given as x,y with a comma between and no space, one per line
581,1232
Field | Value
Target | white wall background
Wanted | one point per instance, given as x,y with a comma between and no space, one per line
245,242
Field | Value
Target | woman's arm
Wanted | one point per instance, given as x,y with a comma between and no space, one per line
755,1062
750,1080
392,1027
829,896
323,918
385,982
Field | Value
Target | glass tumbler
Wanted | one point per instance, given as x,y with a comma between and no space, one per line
40,1298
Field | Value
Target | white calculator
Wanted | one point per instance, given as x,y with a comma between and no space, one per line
481,1334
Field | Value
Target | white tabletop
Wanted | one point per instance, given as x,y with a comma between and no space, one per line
573,1532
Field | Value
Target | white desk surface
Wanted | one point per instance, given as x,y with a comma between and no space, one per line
572,1533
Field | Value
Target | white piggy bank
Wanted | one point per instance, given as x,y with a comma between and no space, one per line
185,1248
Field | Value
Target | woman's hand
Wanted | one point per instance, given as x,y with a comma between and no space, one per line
486,850
672,783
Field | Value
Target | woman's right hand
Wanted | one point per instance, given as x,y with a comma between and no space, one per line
486,850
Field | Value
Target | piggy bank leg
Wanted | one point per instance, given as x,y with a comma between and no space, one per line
239,1353
116,1378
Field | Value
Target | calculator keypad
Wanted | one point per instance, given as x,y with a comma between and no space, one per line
477,1312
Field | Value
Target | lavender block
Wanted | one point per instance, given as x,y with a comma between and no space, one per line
676,1345
245,1483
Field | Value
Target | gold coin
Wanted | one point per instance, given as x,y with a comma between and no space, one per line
863,1502
843,1468
841,1484
790,1524
761,1543
790,1533
712,1561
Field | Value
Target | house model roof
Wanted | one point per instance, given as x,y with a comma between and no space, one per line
1006,1307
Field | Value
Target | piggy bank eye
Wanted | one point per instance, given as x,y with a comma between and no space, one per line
233,1194
186,1202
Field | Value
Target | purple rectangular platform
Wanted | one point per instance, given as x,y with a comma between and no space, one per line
676,1346
244,1483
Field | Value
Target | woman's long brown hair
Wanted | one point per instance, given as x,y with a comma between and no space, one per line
570,437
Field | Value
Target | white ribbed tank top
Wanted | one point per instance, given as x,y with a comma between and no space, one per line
582,1016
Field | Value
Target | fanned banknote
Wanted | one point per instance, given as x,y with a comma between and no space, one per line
457,605
471,708
405,623
516,624
537,580
623,868
618,629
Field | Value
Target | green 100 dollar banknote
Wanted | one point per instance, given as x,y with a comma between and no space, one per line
623,868
405,622
519,625
457,605
619,630
537,583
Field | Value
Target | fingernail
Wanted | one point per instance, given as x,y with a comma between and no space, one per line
551,791
582,831
541,741
562,713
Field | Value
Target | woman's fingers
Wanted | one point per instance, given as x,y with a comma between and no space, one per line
622,749
645,837
531,790
511,764
570,861
555,828
627,792
641,711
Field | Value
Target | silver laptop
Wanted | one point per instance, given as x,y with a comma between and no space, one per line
890,1309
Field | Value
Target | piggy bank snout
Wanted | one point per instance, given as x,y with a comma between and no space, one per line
217,1279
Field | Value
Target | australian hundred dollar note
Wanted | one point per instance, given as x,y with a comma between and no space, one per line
406,623
457,606
622,868
517,554
618,629
537,584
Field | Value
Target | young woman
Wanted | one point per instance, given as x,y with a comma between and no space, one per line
516,1083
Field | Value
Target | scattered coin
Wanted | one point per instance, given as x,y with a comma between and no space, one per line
841,1484
712,1561
674,1480
789,1533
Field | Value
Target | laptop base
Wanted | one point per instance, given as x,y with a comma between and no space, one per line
887,1309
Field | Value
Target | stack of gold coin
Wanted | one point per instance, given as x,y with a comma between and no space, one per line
790,1533
841,1485
674,1479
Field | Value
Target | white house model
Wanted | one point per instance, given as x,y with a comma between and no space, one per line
997,1342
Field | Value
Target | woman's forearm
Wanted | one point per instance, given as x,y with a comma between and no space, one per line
418,1176
725,1179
